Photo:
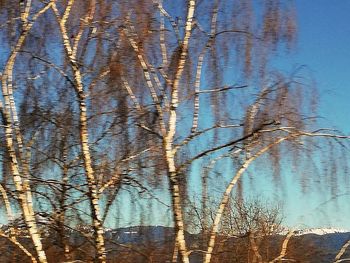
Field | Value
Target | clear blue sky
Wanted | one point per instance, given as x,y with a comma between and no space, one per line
324,47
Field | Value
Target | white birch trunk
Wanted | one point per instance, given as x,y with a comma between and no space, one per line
83,131
169,141
11,122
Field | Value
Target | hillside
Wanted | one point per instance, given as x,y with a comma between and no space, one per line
155,244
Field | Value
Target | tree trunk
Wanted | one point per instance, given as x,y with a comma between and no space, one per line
177,207
84,135
9,113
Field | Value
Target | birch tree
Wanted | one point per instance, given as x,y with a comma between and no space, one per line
15,146
101,96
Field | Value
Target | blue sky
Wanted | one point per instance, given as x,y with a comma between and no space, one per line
323,45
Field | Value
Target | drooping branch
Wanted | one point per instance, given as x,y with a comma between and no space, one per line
147,74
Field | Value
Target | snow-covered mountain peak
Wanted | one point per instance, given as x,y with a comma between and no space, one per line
319,231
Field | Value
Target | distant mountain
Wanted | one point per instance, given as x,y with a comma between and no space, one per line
140,234
314,245
320,245
320,231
